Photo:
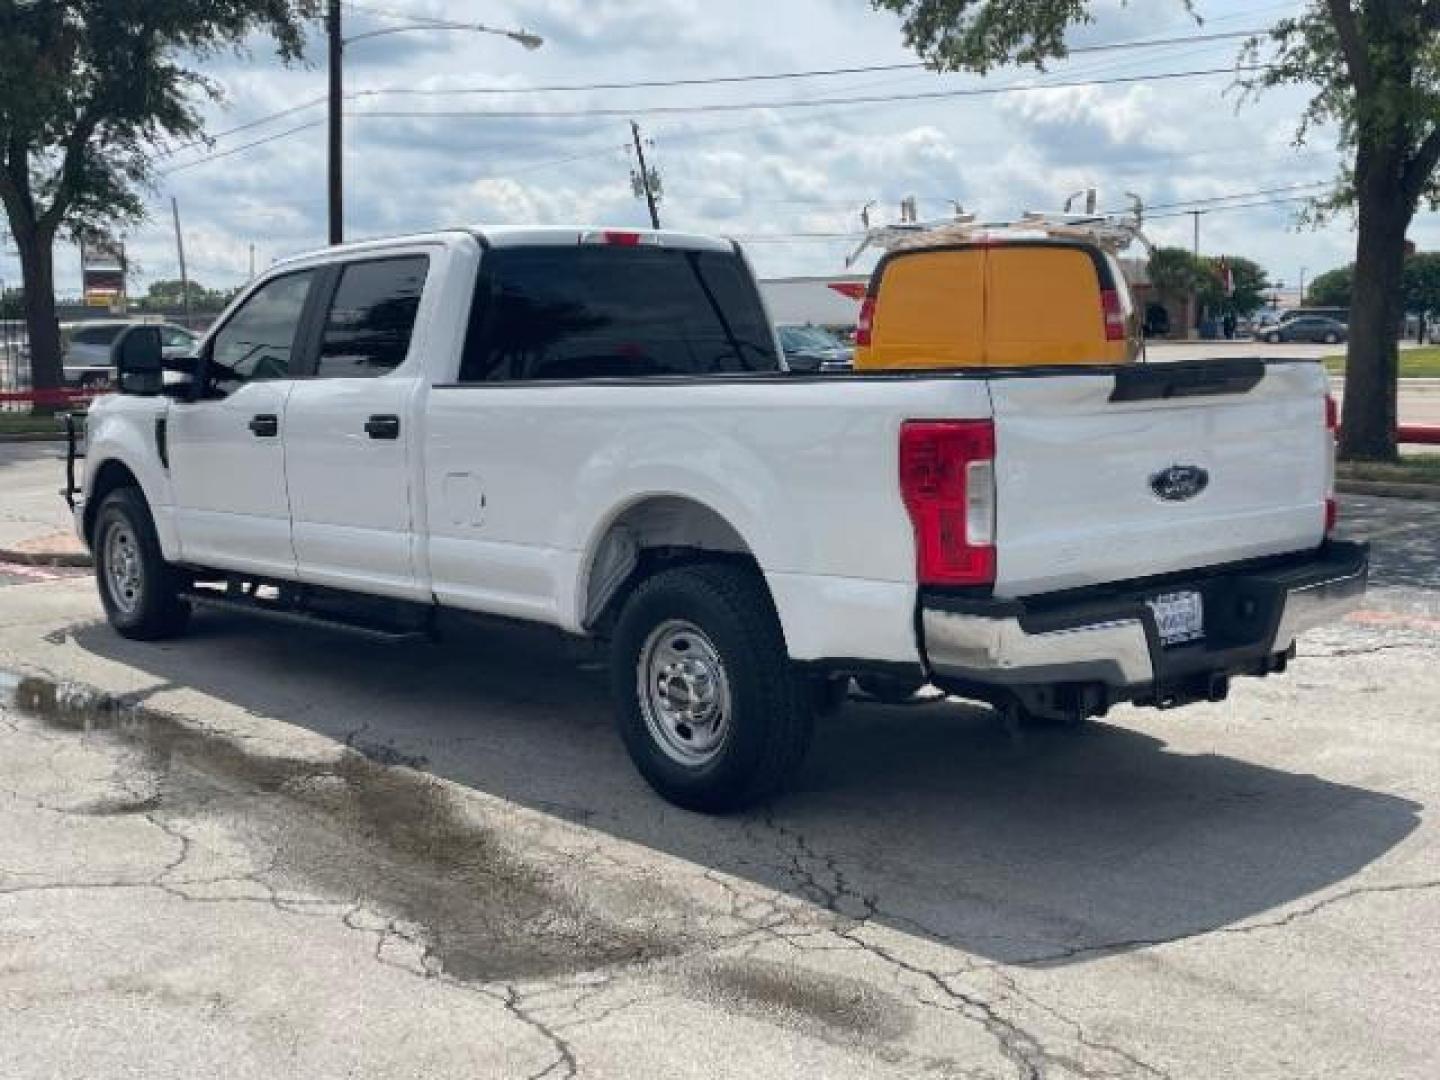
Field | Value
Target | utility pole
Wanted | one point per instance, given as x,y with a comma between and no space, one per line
645,181
180,250
252,261
1302,286
1196,215
337,143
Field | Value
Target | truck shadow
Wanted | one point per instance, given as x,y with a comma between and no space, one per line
932,820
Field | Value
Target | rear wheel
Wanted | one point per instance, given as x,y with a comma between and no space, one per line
708,705
1332,339
139,590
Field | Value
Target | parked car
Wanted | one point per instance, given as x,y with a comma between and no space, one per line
594,431
1306,328
997,303
809,348
87,346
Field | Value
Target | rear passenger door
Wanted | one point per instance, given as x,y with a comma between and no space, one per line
349,429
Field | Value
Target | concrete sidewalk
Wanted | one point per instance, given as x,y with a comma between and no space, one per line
35,526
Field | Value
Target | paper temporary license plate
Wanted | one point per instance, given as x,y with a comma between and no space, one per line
1180,617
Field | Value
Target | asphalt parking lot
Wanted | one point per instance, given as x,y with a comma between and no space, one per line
269,851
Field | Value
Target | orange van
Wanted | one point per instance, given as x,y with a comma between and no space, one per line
997,303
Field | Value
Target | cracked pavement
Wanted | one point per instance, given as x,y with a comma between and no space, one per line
267,851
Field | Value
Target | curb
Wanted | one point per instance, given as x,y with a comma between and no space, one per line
1390,489
31,436
46,558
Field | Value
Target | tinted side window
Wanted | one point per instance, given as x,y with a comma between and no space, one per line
368,328
598,312
257,342
97,335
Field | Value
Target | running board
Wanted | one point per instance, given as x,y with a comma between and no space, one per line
269,610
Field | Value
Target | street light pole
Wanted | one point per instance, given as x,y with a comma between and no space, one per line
337,43
337,142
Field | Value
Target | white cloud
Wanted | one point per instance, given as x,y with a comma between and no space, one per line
748,172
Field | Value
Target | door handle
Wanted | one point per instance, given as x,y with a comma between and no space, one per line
384,426
265,425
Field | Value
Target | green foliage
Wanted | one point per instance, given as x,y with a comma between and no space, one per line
1420,285
89,88
1375,70
166,295
1174,273
1332,288
1250,281
978,35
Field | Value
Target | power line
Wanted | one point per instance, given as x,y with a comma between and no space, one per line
243,146
1241,195
776,76
258,122
803,103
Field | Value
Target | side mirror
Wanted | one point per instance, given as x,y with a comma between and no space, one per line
138,356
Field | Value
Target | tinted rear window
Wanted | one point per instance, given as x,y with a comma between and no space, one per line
612,312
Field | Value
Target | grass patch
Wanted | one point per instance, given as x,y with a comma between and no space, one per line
1411,469
21,423
1414,363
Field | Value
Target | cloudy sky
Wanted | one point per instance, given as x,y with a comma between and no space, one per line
776,175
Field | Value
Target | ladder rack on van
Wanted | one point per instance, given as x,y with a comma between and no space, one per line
1112,232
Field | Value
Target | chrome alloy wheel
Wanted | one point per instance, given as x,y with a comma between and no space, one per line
684,693
124,572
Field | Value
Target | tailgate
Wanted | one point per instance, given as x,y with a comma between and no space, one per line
1156,469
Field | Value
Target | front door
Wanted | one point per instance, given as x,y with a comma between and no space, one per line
349,432
227,461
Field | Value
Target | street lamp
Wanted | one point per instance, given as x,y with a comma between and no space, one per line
337,92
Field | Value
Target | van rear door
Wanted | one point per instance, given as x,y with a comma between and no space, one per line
929,311
1044,306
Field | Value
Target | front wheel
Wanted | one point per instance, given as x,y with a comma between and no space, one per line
707,702
139,590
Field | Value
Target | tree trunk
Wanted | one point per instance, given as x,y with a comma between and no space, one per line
1372,366
37,265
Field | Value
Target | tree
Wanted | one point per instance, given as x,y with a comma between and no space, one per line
1375,69
1419,285
1332,288
1174,273
1247,276
87,90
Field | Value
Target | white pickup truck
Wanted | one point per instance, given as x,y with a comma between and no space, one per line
595,430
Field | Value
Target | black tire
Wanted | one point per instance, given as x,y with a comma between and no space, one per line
1332,339
1272,339
768,717
143,600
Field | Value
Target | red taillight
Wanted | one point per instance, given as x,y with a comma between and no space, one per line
1114,314
622,239
947,479
864,329
1332,425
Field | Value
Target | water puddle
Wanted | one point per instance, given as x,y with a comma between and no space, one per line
357,828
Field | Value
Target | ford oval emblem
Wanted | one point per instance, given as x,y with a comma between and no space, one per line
1179,483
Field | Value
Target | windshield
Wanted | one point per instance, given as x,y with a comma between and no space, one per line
808,338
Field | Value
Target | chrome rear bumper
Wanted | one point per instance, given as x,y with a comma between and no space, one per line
1254,615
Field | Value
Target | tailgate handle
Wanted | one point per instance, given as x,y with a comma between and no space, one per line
1198,378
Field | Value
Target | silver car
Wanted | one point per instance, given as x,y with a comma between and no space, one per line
87,348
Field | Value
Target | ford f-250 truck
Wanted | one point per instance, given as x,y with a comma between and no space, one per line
596,431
